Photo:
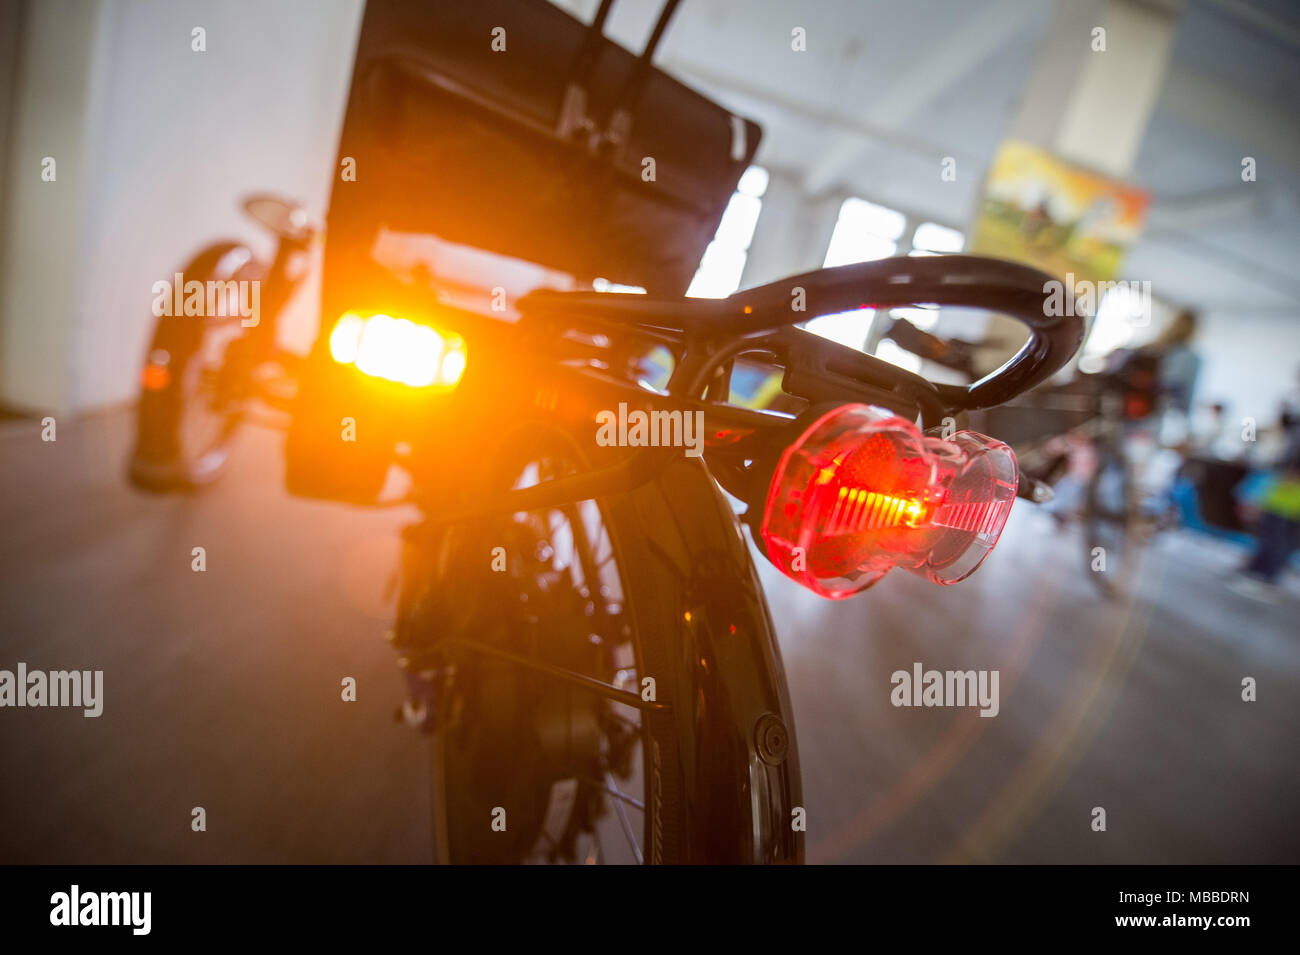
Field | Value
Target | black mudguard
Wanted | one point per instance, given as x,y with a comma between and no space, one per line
708,635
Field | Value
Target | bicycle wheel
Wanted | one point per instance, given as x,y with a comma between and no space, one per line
189,402
528,763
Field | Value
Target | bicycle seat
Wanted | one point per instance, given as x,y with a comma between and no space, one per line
284,217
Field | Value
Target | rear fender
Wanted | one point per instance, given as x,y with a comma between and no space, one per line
709,643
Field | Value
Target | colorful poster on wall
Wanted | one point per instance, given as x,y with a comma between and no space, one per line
1064,219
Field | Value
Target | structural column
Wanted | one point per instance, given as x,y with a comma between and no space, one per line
41,256
793,231
1088,105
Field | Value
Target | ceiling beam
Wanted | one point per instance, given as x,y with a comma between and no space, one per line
933,72
1261,22
1261,126
714,82
1205,210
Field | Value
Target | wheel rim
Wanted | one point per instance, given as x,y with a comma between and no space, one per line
598,814
206,419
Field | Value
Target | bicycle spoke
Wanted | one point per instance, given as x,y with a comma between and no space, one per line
623,821
614,791
575,552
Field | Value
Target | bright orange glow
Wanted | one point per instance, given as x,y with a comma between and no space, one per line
397,349
155,377
346,338
857,509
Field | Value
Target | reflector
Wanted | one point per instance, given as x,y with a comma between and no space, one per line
862,491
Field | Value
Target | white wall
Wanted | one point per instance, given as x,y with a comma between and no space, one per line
55,69
162,142
1251,362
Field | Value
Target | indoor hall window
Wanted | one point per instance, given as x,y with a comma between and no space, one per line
864,231
723,261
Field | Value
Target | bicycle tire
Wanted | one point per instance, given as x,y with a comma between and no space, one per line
163,459
719,764
497,700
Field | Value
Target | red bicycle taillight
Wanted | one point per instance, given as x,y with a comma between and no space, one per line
862,491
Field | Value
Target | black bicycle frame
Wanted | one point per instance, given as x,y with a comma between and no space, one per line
709,332
715,620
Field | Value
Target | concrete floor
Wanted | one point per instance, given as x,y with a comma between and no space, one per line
222,688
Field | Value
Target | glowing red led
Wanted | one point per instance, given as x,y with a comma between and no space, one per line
862,491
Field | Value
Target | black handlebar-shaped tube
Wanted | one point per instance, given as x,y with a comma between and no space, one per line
1016,290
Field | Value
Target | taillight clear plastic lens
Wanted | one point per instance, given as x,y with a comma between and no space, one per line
863,491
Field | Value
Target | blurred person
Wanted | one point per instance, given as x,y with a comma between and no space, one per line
1276,442
1074,459
1161,375
1276,506
1215,436
1156,382
1179,363
1211,465
1291,400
